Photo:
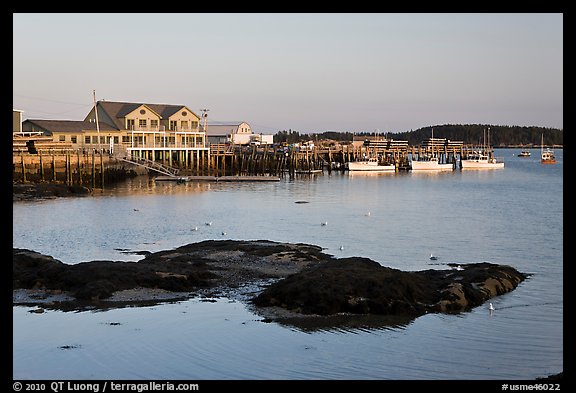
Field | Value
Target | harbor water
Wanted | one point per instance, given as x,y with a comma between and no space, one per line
511,216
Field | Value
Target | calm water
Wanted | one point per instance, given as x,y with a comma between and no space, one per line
512,216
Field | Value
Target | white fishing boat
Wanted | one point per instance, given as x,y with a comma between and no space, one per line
370,164
430,164
481,158
430,161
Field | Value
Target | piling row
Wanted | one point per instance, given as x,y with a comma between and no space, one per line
95,169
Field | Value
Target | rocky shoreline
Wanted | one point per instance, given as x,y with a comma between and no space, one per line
287,282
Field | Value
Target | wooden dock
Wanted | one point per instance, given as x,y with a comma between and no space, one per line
183,179
222,162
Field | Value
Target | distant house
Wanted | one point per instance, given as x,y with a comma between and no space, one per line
235,133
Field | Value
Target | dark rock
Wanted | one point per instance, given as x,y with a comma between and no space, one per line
362,286
25,191
307,281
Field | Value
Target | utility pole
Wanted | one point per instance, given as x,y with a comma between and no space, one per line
204,117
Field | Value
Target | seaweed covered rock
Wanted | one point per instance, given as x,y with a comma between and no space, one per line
307,281
362,286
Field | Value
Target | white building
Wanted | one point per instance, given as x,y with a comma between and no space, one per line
235,133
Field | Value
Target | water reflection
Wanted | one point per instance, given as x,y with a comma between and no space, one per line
346,323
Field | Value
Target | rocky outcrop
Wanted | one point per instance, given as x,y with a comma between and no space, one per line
208,264
362,286
305,280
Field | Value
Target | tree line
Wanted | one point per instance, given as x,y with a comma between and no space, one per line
499,136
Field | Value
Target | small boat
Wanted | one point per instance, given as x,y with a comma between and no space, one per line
370,164
433,258
546,156
524,153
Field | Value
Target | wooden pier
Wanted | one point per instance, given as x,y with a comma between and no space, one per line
222,162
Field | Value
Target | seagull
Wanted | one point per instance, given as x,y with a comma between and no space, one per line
368,214
458,267
491,307
209,223
432,257
223,233
325,223
341,248
136,210
195,228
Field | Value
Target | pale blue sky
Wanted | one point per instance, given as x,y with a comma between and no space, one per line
305,72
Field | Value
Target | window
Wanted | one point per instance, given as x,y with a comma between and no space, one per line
125,139
154,124
173,124
62,138
74,139
142,112
87,140
142,123
184,124
94,140
116,140
194,124
129,124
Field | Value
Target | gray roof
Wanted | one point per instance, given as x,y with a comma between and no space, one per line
223,129
72,126
118,110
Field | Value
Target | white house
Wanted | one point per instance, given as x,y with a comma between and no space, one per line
235,133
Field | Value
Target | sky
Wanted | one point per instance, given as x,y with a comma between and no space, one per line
353,72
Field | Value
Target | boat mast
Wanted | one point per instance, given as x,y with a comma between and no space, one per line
487,148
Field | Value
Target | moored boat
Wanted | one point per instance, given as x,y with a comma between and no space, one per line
430,164
430,161
370,164
524,153
481,160
546,156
